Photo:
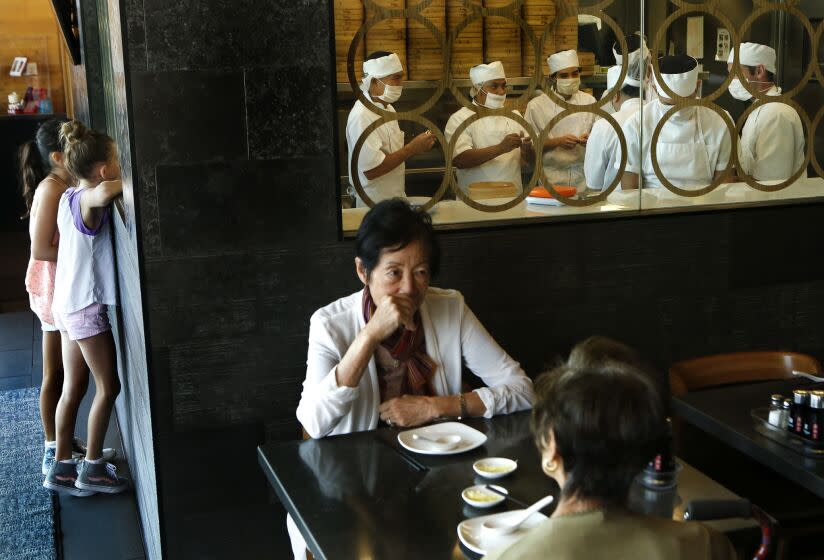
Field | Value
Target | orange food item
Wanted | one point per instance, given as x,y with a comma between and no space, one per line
563,190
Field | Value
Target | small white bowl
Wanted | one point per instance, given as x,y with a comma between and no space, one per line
488,498
494,467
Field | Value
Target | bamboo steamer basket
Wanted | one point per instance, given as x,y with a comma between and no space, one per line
425,55
388,35
348,19
467,49
502,39
538,14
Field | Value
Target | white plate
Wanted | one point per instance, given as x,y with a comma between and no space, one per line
501,462
470,439
470,533
482,488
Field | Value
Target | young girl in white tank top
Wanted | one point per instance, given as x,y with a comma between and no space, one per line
84,286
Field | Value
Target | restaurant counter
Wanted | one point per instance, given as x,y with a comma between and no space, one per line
449,214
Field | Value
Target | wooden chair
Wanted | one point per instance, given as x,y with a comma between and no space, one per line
738,367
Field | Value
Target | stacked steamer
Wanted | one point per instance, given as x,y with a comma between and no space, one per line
537,14
467,48
390,34
502,39
348,19
587,62
425,56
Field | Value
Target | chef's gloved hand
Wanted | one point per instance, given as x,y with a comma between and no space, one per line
510,142
568,141
421,143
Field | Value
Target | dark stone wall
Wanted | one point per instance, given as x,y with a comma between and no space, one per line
234,174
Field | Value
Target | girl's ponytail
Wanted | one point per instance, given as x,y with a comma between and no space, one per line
35,159
31,172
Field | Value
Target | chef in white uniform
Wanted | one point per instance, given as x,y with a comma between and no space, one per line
772,141
694,144
381,163
565,144
603,153
493,147
613,74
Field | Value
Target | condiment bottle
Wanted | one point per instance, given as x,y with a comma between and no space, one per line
815,417
798,411
776,407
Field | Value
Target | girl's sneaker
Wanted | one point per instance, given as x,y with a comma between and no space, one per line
100,477
62,477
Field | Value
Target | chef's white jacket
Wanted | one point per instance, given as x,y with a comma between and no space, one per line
694,143
772,142
485,132
603,153
562,166
383,141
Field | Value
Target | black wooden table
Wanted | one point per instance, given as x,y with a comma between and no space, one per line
725,413
358,496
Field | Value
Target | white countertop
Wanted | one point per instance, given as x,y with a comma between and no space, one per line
451,212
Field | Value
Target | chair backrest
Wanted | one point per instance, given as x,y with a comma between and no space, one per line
737,367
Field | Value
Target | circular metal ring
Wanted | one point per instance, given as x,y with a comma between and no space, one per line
481,112
619,33
590,200
355,176
813,128
688,193
350,68
478,14
661,34
816,46
805,79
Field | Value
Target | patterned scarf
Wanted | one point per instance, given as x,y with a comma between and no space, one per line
408,348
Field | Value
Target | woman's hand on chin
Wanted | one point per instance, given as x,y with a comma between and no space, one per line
408,410
392,312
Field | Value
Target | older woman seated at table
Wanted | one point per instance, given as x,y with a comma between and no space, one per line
596,426
394,350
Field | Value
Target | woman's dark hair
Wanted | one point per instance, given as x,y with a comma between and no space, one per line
392,225
83,148
35,161
607,420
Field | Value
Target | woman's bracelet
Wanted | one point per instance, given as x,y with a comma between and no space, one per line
462,404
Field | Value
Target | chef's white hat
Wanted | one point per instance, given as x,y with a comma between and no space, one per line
680,73
561,60
753,54
380,68
485,72
613,74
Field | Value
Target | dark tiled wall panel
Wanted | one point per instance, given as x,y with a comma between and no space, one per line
134,405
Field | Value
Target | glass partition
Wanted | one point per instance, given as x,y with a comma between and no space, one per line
483,112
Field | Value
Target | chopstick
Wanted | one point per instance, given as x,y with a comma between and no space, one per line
413,463
507,496
809,376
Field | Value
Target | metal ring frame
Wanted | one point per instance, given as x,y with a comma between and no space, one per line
377,13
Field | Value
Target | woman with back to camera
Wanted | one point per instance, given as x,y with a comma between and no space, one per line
596,426
44,178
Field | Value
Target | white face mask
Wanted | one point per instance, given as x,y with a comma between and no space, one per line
738,91
494,100
390,93
568,86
